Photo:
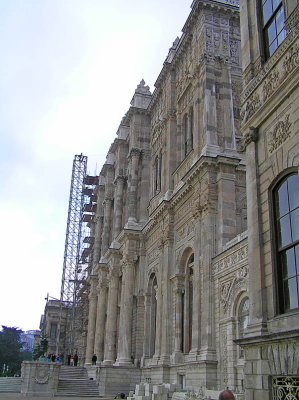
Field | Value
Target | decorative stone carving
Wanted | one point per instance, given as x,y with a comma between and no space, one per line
250,136
42,374
231,260
270,84
280,134
252,105
283,358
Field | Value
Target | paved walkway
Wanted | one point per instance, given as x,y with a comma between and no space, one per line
18,396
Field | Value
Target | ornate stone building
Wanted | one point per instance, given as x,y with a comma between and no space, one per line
179,292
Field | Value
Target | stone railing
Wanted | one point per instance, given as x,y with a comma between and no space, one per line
39,378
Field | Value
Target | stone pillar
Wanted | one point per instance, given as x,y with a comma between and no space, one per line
110,334
101,315
91,320
133,184
159,316
177,355
98,226
147,328
107,225
125,322
258,309
118,206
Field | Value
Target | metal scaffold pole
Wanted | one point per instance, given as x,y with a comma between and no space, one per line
71,256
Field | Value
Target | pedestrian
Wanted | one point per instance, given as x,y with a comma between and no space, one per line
94,359
53,358
69,359
76,360
226,395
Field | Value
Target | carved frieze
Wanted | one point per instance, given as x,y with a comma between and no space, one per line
269,79
280,134
185,231
231,260
153,255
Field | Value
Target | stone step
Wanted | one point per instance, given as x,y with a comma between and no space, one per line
10,385
77,387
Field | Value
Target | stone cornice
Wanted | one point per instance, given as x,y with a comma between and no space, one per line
134,110
268,338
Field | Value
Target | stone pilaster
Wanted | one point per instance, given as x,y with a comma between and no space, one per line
110,334
258,309
98,226
147,328
101,315
107,225
118,205
91,319
125,323
133,184
177,355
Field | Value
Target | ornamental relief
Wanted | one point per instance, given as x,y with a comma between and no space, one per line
283,358
228,290
185,231
42,374
231,260
258,94
280,134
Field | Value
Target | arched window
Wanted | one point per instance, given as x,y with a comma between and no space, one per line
286,226
187,302
243,318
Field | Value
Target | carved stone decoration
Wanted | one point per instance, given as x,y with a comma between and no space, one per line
231,260
42,374
225,290
250,136
224,356
291,60
250,108
280,134
270,84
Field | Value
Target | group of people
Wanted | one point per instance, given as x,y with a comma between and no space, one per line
72,360
55,358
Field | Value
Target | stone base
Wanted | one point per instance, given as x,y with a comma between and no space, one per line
117,379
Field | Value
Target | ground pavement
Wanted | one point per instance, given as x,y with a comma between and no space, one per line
18,396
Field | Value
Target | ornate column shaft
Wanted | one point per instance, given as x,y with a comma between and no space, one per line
133,183
106,226
110,334
91,320
118,206
101,317
125,322
178,320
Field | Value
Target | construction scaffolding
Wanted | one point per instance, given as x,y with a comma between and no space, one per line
77,251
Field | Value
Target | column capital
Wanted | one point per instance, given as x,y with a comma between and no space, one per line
250,136
120,179
134,152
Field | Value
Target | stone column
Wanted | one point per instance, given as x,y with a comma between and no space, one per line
177,355
118,206
133,184
91,320
107,225
101,315
98,226
147,328
110,334
125,322
258,309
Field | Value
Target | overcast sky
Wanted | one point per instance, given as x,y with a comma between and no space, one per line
68,71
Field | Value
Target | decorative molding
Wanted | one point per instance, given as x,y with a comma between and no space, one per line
250,136
231,260
42,374
280,134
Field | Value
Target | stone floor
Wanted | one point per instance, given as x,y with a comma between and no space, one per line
18,396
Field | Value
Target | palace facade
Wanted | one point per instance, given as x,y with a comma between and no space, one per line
195,264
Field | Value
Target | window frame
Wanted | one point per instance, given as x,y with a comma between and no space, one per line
267,24
278,292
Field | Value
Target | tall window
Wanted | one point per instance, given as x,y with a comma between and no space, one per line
286,212
243,318
53,331
273,24
187,305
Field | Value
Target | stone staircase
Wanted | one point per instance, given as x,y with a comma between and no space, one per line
10,385
74,381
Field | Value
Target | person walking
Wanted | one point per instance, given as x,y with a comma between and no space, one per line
76,360
94,360
226,395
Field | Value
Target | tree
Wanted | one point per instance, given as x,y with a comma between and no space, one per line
10,349
40,348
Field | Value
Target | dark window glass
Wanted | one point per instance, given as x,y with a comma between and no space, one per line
286,200
273,24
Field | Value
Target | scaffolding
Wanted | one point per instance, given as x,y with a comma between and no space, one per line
77,256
